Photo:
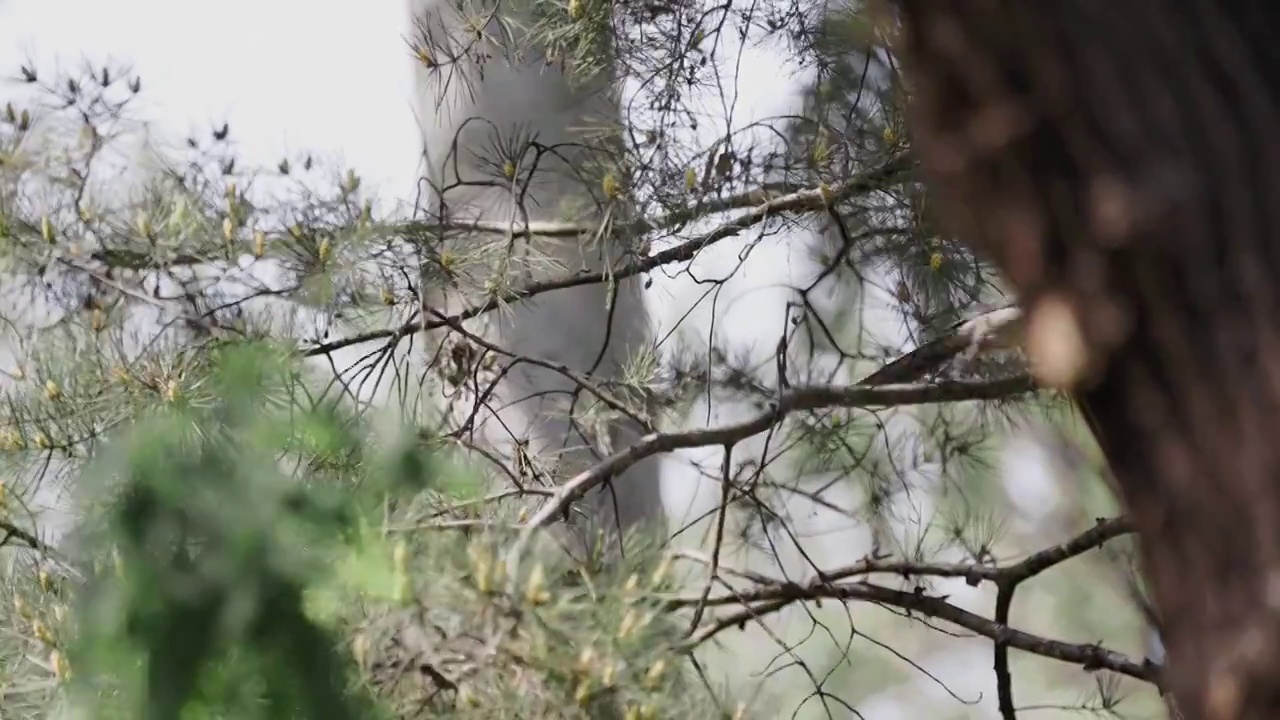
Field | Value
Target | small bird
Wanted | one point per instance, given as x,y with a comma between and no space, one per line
996,329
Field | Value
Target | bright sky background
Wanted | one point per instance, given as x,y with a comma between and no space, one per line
329,76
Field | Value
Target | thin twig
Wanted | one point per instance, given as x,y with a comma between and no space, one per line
773,594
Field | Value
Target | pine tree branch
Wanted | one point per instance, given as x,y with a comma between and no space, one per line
810,200
792,400
770,600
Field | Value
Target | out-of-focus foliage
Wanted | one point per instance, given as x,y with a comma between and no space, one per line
223,588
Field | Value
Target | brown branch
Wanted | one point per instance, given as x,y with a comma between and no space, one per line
769,600
792,400
1007,579
802,201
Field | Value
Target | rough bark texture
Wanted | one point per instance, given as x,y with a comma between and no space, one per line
1120,159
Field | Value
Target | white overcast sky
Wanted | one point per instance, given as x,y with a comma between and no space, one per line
330,76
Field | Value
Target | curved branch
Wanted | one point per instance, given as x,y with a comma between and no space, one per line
791,400
803,201
769,600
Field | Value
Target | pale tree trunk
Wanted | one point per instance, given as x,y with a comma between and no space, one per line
1120,160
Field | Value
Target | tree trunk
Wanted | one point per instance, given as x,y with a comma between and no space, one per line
1120,160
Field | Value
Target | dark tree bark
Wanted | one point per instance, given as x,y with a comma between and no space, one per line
1120,160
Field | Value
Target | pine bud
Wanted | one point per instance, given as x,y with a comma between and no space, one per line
660,572
60,666
890,136
11,440
612,188
480,571
360,648
181,212
654,675
536,591
400,556
144,224
827,194
628,625
42,633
